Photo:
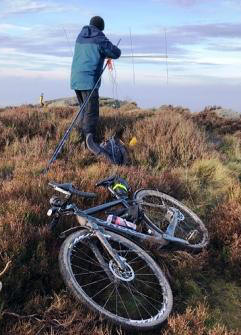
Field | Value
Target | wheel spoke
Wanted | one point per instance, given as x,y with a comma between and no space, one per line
116,305
120,250
134,299
94,282
101,290
146,297
87,273
84,259
123,303
145,274
144,266
146,281
133,260
109,297
151,287
143,306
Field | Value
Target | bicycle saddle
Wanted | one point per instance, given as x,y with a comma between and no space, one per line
68,187
106,182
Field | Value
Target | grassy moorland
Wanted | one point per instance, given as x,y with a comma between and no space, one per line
196,158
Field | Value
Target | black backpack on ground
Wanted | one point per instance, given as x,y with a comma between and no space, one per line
116,150
112,149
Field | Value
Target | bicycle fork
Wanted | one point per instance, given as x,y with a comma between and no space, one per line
101,234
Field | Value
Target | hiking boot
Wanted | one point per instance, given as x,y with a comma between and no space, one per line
91,145
95,148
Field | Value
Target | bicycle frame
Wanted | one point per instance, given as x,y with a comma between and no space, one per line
91,222
100,228
167,236
121,230
157,235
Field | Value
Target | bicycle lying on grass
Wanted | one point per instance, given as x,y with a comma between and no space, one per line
102,264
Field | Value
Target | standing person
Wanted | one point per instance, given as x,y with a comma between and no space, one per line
91,49
41,100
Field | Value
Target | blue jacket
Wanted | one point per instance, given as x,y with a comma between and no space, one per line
91,49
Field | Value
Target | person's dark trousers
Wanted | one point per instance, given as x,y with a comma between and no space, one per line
88,119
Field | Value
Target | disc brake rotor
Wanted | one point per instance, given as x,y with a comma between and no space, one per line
125,275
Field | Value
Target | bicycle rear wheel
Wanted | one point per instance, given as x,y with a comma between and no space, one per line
190,228
138,297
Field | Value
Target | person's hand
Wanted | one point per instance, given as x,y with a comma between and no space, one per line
109,64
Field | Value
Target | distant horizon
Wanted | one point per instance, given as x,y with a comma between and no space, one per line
140,105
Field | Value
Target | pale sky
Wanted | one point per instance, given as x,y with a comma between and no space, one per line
203,47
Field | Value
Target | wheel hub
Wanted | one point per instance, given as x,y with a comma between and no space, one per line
125,275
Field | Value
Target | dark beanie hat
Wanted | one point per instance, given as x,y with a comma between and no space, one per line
98,22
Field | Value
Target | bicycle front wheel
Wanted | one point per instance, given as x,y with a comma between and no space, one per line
138,297
190,228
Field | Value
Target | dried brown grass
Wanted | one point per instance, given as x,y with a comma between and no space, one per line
170,147
195,321
53,316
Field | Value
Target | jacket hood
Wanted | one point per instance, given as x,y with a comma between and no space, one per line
90,31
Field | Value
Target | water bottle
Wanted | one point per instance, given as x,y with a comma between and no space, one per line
120,222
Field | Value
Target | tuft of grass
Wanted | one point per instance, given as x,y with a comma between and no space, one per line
225,301
6,170
230,146
208,182
195,321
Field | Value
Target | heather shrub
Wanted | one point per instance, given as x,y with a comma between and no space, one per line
225,230
26,123
171,155
36,122
235,251
118,119
129,106
169,140
226,221
217,124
